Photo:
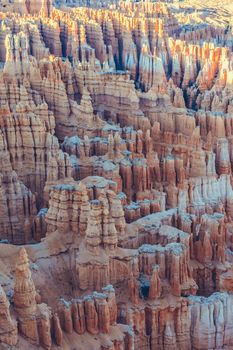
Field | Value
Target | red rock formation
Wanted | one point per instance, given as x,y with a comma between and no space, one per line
116,162
155,284
25,298
8,327
57,331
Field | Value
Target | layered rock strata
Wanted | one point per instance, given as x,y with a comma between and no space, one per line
116,162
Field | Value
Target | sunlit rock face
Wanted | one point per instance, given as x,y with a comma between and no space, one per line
116,159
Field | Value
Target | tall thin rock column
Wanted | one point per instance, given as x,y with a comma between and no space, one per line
25,298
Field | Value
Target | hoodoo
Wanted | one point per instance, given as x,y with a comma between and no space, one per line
116,175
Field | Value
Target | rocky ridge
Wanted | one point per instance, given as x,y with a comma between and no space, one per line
116,161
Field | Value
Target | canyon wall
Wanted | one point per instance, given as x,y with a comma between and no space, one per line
116,154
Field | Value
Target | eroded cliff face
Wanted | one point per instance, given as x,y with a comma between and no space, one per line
116,159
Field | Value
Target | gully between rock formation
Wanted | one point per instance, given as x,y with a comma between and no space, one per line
116,160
